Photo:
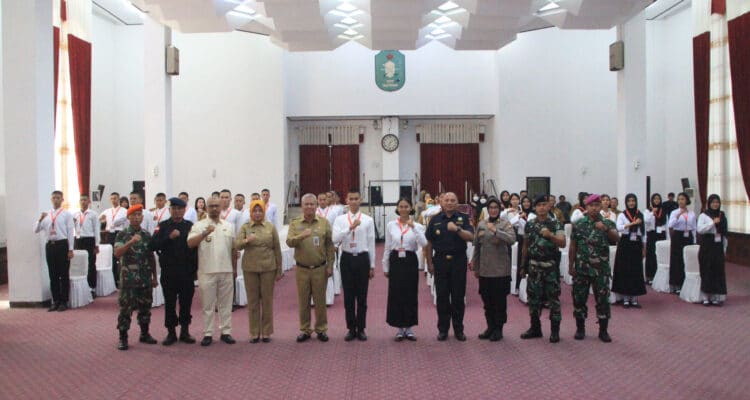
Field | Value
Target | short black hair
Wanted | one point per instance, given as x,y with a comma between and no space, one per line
160,194
353,190
226,191
239,195
255,194
114,194
670,194
265,190
140,196
54,192
407,200
542,198
215,194
185,193
686,197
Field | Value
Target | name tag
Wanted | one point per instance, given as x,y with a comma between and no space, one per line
659,229
686,234
352,245
401,253
717,238
633,237
52,231
316,241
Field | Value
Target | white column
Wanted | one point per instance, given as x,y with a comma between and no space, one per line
29,141
631,112
157,111
390,163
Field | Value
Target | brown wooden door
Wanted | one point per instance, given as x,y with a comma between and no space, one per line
454,165
322,169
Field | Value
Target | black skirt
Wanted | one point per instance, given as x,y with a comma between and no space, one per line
627,278
676,259
651,263
711,260
403,285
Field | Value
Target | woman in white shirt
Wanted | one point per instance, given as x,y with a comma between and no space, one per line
712,226
627,277
579,210
682,232
517,218
403,238
656,230
606,212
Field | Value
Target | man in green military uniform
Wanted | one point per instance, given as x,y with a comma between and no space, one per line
543,238
137,277
589,265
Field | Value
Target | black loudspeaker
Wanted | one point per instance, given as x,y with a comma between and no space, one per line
685,183
376,196
140,186
405,192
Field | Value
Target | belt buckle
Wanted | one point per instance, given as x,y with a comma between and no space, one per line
355,254
448,257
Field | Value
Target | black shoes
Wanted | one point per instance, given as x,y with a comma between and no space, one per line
497,334
603,335
62,307
303,337
171,338
145,336
554,335
228,339
442,336
580,329
535,331
207,340
52,307
185,335
266,340
460,336
322,337
255,340
361,336
123,343
486,334
350,335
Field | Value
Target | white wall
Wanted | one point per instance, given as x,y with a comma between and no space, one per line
557,112
439,81
2,145
228,115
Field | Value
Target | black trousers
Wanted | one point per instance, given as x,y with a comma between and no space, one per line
177,287
450,287
88,244
115,261
58,266
494,292
355,279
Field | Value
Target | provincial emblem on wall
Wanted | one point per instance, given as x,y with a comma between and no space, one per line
390,70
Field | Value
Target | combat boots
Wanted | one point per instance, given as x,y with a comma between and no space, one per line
580,329
185,335
497,334
554,336
490,328
535,331
145,336
603,335
123,343
171,337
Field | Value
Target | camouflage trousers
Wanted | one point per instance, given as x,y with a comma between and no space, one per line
600,287
134,299
543,278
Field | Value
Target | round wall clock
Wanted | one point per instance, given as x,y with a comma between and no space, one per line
389,142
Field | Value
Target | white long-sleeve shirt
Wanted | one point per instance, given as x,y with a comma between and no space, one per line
87,225
191,215
706,226
684,222
623,220
234,217
358,241
330,213
396,238
610,215
577,214
116,219
514,217
58,225
272,215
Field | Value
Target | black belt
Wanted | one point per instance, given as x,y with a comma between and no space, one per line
310,266
450,256
54,242
364,253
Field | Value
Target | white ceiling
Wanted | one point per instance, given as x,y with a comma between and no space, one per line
314,25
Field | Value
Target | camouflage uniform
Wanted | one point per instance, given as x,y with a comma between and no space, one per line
543,269
591,267
135,279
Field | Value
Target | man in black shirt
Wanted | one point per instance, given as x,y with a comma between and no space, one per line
565,207
669,205
178,268
447,234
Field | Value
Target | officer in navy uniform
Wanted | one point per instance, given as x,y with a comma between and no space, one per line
447,234
179,265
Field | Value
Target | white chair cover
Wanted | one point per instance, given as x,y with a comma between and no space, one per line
613,297
287,253
337,274
661,279
157,294
564,266
691,288
240,296
105,281
522,291
329,293
513,267
80,292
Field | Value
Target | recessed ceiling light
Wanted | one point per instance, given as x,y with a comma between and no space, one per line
244,9
448,5
550,6
349,21
350,32
346,7
443,20
437,31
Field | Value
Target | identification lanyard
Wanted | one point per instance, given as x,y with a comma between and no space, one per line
630,217
349,217
53,217
115,211
403,232
320,212
225,216
81,218
159,215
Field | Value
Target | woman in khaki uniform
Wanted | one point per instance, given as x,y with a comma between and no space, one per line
261,267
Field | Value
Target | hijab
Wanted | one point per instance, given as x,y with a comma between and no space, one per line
633,213
721,227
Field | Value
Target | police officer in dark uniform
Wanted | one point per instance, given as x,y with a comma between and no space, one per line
178,270
447,234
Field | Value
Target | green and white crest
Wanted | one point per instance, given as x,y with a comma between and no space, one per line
390,70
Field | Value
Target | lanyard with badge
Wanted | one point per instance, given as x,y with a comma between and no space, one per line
157,219
686,233
402,250
53,217
81,219
633,235
353,244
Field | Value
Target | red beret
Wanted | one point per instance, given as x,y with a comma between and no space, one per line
134,208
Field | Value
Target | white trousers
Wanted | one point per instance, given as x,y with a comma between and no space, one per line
216,292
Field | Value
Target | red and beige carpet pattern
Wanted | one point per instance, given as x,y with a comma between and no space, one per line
667,350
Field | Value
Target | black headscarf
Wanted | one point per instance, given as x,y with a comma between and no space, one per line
633,214
491,200
503,203
529,210
721,227
660,216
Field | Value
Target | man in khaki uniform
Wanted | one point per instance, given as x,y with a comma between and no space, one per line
314,254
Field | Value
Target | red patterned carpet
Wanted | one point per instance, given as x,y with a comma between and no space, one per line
667,350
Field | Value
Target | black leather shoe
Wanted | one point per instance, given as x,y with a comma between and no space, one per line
266,340
122,344
170,339
442,336
486,334
322,337
52,307
303,337
350,336
255,340
62,308
460,336
228,339
185,336
496,335
361,336
207,340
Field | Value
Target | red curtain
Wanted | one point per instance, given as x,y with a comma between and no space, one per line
313,169
702,93
79,51
56,52
345,160
739,56
454,165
